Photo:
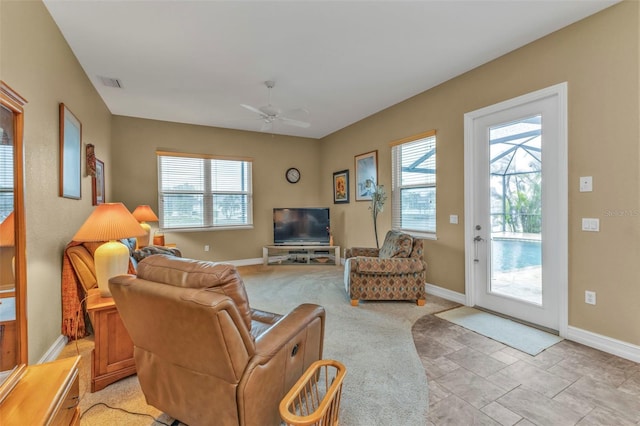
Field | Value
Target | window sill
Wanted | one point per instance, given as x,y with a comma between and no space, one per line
207,229
423,235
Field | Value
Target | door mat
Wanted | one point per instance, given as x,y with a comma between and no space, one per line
519,336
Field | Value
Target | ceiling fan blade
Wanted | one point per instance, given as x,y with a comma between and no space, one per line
253,109
296,123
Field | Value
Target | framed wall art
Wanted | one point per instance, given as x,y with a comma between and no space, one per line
366,175
70,154
97,184
341,187
91,160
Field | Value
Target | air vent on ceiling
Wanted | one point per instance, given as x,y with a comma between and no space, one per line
110,82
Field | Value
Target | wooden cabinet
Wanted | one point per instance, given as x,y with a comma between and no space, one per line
45,394
112,358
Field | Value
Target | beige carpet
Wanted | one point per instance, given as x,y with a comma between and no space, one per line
385,382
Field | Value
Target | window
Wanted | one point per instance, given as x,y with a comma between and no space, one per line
204,192
413,188
6,162
6,179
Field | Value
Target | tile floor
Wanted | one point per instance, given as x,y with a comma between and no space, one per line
474,380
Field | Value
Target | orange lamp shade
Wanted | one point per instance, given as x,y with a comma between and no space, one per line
109,221
143,213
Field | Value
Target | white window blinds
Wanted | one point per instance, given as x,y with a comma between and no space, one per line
413,189
199,191
6,163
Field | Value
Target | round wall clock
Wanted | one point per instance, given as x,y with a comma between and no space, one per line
292,175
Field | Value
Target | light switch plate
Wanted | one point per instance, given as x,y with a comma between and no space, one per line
453,218
590,224
586,184
590,297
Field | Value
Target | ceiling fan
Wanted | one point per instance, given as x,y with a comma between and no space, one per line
271,113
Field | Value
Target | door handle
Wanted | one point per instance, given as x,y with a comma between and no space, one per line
476,240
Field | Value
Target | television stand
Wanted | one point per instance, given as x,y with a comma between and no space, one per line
295,255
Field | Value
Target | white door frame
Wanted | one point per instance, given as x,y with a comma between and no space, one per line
560,203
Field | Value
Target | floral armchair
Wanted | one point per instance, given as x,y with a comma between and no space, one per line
396,271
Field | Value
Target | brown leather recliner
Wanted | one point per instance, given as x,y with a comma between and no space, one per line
205,357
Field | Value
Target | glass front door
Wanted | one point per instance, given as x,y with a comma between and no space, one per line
516,208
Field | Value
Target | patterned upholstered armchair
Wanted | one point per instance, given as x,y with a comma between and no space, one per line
396,271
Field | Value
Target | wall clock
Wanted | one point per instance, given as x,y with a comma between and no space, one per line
292,175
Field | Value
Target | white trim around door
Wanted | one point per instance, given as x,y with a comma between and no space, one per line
557,176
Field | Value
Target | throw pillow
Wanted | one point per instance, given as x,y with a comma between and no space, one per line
396,244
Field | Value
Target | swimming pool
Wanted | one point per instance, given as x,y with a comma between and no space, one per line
512,254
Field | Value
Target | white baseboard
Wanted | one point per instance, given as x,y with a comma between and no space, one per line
604,343
245,262
454,296
54,350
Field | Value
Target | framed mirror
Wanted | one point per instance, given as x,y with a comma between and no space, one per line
13,319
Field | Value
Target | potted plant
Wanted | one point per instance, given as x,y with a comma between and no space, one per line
378,198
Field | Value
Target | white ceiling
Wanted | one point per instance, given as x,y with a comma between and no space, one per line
334,62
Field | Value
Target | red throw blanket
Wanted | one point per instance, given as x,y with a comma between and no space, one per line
73,296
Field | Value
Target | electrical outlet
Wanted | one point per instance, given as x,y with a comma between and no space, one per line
206,247
590,297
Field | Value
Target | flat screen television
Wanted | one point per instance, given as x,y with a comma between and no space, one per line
301,226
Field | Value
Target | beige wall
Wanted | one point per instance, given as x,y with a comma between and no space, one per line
598,57
37,62
135,142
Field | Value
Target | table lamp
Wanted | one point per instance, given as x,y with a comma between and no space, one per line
109,222
144,214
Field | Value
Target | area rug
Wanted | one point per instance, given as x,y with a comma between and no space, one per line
385,382
519,336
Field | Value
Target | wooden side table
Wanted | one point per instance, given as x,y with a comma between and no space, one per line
112,357
45,394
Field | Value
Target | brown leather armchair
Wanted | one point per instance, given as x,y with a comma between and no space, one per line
204,356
